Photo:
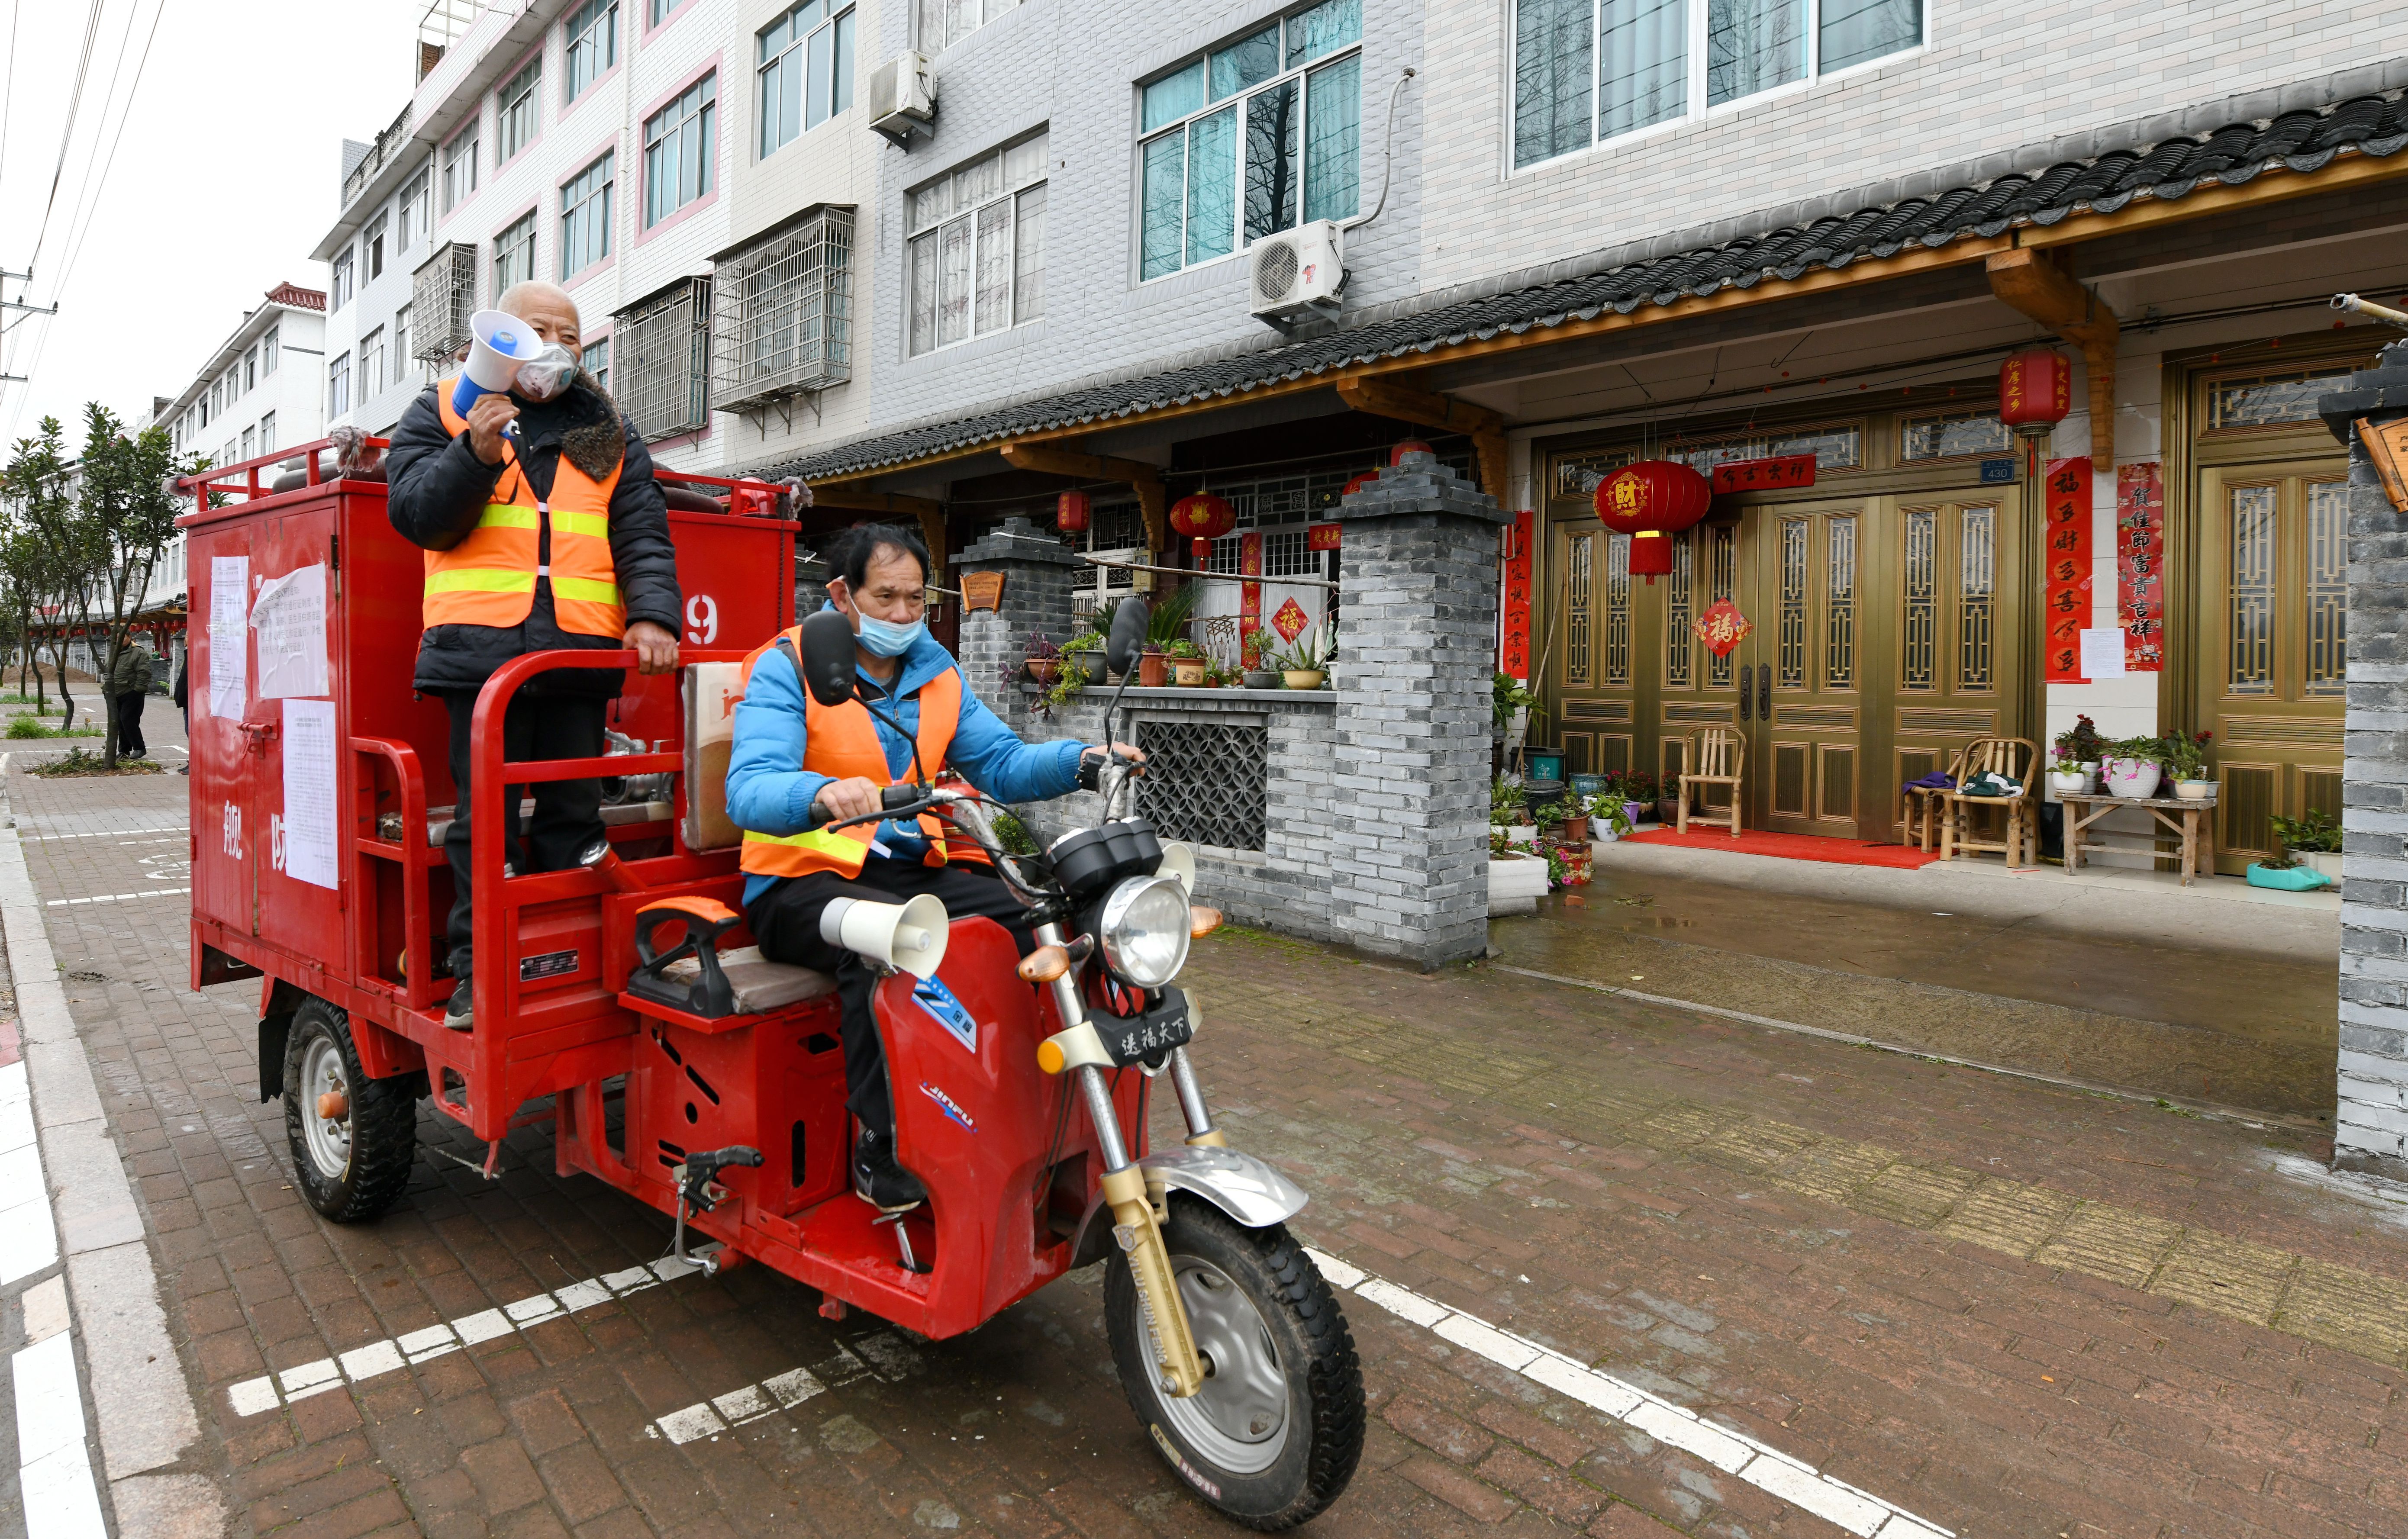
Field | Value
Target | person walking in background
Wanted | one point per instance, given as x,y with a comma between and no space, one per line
129,685
183,703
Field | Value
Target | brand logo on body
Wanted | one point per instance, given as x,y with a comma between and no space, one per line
945,1103
947,1011
1179,1462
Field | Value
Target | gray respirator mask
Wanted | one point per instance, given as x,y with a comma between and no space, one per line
546,374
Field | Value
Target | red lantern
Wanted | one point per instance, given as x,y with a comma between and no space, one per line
1411,445
1203,519
1650,501
1070,513
2035,391
1359,482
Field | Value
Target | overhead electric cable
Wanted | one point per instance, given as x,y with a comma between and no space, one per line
67,133
8,88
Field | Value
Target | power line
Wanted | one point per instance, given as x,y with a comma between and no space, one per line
67,133
8,91
84,188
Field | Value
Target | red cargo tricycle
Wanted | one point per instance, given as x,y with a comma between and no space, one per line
622,1002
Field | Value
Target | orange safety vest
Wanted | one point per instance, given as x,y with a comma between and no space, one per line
841,743
489,577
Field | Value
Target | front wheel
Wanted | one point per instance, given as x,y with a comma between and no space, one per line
1273,1436
351,1165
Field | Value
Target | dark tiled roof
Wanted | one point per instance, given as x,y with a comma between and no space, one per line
2303,140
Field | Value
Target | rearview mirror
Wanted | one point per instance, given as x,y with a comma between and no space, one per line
828,657
1129,622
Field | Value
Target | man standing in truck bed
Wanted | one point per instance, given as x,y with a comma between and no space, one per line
543,528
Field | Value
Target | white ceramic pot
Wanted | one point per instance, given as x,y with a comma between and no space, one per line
1522,834
2074,782
2326,864
2194,790
2133,777
1516,884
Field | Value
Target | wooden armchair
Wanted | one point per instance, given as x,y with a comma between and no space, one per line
2016,759
1924,805
1712,756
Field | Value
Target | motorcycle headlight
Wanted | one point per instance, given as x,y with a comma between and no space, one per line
1143,927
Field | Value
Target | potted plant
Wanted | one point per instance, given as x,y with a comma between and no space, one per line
1636,793
2186,761
1574,828
2078,750
2313,840
1511,710
1039,659
1187,664
1154,666
1257,672
2134,766
1508,808
1517,879
1085,651
1305,664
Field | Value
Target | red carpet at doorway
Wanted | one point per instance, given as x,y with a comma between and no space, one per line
1793,847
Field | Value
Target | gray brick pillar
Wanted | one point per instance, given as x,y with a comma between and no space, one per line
1038,573
1416,651
2370,1124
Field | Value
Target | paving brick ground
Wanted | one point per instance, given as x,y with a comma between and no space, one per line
2012,1309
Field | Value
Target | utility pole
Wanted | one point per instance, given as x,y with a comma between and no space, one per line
25,277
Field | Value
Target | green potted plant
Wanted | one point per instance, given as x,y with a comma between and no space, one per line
1040,660
2311,840
1257,673
1511,710
1085,651
2186,762
1154,666
1508,808
2076,754
1305,665
1187,664
2134,766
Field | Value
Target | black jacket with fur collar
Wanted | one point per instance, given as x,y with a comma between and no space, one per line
438,489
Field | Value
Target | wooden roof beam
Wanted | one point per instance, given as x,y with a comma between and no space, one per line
2037,283
1054,459
1425,409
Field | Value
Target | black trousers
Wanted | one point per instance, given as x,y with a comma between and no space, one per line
568,813
786,921
129,726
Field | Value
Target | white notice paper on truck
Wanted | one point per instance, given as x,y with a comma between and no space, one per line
290,615
229,643
311,827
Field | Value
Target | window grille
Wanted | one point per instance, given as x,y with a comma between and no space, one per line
1285,554
663,346
1977,587
2328,586
442,297
781,314
1840,610
1209,782
1793,603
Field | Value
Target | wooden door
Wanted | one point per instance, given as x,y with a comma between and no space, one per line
1956,670
1593,648
2273,568
1804,715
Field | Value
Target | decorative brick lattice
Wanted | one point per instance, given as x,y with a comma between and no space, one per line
1213,788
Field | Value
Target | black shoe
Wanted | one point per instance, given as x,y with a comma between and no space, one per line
880,1182
456,1014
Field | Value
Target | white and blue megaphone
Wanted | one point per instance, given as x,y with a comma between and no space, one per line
498,343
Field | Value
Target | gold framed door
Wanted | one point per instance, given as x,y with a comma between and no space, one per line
1592,653
1804,709
1958,668
2273,554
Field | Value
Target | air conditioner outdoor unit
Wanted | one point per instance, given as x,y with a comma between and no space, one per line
903,98
1296,273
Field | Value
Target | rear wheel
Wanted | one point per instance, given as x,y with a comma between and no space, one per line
353,1164
1273,1436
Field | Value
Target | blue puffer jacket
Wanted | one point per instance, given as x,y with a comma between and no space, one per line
770,791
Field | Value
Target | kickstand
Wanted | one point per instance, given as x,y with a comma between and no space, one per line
902,1239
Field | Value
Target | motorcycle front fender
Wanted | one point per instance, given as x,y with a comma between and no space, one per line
1245,1187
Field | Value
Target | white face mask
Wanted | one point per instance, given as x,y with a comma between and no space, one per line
546,374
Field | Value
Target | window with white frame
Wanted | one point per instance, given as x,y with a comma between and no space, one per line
657,11
342,294
267,348
267,432
225,455
518,111
1241,142
339,385
249,443
1586,71
595,356
977,247
585,205
372,246
679,149
401,344
590,46
514,254
250,367
806,69
938,25
460,159
410,213
371,362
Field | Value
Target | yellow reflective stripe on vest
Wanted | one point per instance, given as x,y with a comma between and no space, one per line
819,839
507,516
482,579
584,588
593,525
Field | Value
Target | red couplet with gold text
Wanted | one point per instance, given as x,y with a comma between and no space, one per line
1514,644
2065,601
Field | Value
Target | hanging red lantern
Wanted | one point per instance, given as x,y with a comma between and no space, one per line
1650,501
1411,445
1359,482
1070,513
1203,517
2035,391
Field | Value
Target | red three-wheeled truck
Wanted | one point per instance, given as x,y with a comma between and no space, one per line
622,1002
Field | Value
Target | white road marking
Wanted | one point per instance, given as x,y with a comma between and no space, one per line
710,1418
54,1466
258,1396
109,832
1767,1468
118,897
29,1236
